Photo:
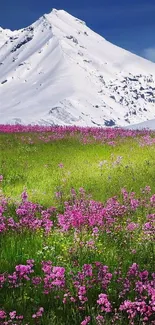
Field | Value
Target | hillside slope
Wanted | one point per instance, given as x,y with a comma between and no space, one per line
58,71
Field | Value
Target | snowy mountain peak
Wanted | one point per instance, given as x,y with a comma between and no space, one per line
58,71
62,14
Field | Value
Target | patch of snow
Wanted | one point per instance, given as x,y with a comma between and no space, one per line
145,125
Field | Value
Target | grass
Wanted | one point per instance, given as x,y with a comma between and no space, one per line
35,167
102,170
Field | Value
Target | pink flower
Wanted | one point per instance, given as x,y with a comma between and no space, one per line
104,303
152,199
12,314
86,321
36,280
24,196
2,314
88,270
39,313
2,280
132,226
100,319
60,165
58,194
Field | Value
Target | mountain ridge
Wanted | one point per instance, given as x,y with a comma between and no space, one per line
58,71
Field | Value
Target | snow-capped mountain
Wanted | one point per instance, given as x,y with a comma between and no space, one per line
58,71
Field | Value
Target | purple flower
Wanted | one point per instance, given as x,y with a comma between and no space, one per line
104,303
60,165
86,321
2,314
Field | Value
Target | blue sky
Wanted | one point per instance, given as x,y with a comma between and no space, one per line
126,23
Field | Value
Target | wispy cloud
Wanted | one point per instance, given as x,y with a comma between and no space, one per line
149,53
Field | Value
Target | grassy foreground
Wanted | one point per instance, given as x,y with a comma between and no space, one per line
68,258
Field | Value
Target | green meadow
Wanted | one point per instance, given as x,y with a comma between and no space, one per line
101,169
48,172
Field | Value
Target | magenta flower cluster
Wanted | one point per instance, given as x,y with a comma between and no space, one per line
29,216
78,290
14,319
113,294
83,213
112,217
84,134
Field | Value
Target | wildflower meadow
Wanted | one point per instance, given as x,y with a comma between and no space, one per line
77,226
